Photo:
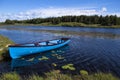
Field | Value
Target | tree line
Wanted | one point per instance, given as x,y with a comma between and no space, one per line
107,20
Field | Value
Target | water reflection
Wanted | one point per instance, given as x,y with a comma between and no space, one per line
95,33
39,60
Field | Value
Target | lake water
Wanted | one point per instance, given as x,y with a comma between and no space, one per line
91,49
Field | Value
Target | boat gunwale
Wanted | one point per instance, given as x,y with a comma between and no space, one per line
20,45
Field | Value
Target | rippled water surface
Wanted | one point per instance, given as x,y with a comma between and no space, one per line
91,49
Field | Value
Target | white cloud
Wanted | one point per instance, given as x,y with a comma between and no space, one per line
54,12
118,14
51,12
104,9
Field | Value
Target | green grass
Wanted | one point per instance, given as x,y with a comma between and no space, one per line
4,42
76,24
10,76
34,77
71,24
57,75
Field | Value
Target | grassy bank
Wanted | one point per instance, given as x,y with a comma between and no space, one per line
57,75
76,24
66,24
4,42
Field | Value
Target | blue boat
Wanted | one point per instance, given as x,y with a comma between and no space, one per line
19,50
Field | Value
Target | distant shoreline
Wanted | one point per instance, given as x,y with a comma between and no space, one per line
65,24
95,21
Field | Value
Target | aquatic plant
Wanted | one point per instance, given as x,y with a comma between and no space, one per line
54,64
43,58
69,67
83,72
53,51
59,51
54,54
30,59
60,57
22,58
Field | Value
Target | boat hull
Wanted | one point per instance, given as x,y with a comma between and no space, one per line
17,52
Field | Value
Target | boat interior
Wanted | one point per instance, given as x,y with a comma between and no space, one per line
45,43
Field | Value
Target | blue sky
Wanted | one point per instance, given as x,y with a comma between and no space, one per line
27,9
